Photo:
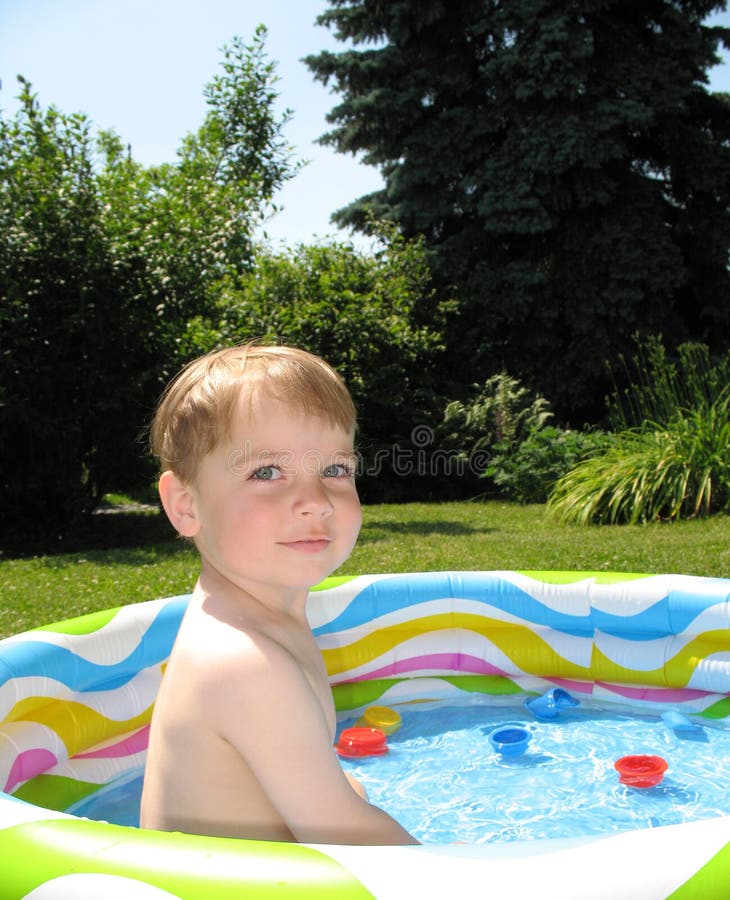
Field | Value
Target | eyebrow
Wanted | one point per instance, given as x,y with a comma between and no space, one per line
256,457
266,453
343,455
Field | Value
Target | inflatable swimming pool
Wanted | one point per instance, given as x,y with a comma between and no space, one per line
76,700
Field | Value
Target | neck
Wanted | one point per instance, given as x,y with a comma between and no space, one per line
225,597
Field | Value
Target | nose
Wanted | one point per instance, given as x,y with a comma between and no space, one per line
313,500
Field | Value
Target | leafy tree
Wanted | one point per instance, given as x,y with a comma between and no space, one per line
565,163
191,224
102,262
357,311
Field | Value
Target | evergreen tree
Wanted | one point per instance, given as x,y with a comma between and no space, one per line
565,163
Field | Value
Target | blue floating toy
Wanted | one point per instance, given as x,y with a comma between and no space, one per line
550,704
510,740
678,722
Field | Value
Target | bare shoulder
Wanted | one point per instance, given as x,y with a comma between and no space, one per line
222,657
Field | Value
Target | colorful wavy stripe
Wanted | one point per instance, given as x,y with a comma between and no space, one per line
135,743
68,664
609,608
399,592
528,650
27,764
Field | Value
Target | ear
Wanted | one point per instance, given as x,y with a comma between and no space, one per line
179,504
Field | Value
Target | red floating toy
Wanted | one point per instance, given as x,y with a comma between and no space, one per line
357,742
640,771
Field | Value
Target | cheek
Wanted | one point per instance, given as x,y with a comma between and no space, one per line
353,512
255,515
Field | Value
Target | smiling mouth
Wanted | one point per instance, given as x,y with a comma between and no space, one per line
310,545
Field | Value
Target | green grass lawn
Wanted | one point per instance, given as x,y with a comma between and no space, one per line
125,557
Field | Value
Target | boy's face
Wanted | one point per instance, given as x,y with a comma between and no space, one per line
276,506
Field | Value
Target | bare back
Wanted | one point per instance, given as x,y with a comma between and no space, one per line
208,746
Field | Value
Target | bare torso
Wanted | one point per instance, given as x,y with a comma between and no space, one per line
223,797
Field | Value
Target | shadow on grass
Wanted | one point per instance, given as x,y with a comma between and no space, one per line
374,530
115,529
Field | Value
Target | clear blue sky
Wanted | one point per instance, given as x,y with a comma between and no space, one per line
139,67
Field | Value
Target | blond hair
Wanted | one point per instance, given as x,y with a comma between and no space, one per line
195,412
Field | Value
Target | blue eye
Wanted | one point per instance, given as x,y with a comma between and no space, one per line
337,470
266,473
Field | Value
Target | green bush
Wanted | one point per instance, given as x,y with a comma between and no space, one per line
674,466
528,472
501,410
494,421
77,340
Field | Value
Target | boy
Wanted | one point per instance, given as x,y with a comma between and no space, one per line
256,451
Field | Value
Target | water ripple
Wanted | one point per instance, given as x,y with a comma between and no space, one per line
443,781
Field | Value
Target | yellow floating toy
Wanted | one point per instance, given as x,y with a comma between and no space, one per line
382,717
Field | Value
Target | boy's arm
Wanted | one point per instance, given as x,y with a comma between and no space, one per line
272,717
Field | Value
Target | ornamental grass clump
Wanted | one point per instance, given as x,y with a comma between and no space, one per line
674,463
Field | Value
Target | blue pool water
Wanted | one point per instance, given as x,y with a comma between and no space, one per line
444,782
